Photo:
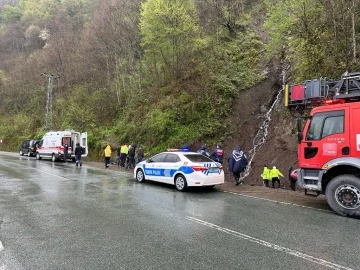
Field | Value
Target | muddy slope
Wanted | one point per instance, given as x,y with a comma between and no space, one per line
280,148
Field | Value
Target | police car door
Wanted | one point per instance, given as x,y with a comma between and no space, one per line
171,165
154,168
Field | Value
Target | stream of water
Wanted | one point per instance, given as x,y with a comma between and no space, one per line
263,131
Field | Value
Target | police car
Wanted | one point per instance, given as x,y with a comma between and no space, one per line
182,169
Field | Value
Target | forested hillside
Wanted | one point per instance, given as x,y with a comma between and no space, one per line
160,73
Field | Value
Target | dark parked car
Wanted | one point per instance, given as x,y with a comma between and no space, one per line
28,147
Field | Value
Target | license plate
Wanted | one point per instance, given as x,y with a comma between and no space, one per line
213,170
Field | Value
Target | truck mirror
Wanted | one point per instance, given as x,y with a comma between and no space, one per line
299,125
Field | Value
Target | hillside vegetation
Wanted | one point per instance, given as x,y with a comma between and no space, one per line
160,73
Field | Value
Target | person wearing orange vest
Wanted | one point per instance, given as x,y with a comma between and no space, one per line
274,176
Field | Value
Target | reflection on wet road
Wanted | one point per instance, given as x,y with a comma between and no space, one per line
57,216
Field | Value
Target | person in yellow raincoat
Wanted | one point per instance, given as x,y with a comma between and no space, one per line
107,154
266,176
274,176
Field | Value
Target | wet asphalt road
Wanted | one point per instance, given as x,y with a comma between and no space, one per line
56,216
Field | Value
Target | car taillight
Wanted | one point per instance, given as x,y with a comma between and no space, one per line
199,168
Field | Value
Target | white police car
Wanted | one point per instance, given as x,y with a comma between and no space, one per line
182,169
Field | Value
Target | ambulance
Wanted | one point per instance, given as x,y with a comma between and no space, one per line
52,144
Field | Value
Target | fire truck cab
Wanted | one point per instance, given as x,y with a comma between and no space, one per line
329,142
52,145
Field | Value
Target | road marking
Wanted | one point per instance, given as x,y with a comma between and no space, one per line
286,203
1,247
3,267
270,245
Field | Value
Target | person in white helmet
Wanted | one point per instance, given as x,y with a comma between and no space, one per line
274,176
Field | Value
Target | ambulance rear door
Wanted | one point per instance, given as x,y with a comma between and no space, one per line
84,143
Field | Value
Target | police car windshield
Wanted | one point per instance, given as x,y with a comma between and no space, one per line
197,158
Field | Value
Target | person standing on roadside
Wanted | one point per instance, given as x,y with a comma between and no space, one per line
275,176
140,154
131,163
78,153
123,152
107,154
66,152
292,178
217,154
237,163
118,157
266,176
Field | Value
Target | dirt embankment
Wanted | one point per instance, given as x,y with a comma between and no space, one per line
280,147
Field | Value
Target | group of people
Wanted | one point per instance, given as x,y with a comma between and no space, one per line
237,160
125,156
272,175
78,152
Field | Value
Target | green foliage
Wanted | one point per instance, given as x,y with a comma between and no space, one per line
34,10
311,36
10,14
163,82
170,35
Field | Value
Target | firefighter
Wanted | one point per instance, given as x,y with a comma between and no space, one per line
266,176
274,175
217,154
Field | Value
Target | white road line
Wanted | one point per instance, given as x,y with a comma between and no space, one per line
1,247
270,245
286,203
3,267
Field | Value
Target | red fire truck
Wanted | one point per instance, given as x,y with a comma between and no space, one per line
329,141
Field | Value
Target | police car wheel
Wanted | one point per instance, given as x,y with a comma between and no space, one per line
180,183
140,177
21,153
343,195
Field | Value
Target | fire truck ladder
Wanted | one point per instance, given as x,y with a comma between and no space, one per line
317,92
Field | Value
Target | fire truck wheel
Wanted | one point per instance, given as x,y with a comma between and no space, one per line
343,195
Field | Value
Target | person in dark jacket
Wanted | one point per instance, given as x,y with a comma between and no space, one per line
202,150
217,154
237,163
66,152
140,154
131,155
78,152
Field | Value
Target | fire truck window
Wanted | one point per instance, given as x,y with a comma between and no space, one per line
333,125
324,124
314,131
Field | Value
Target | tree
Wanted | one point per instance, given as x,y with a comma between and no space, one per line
170,36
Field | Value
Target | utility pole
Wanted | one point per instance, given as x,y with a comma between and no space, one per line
48,108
